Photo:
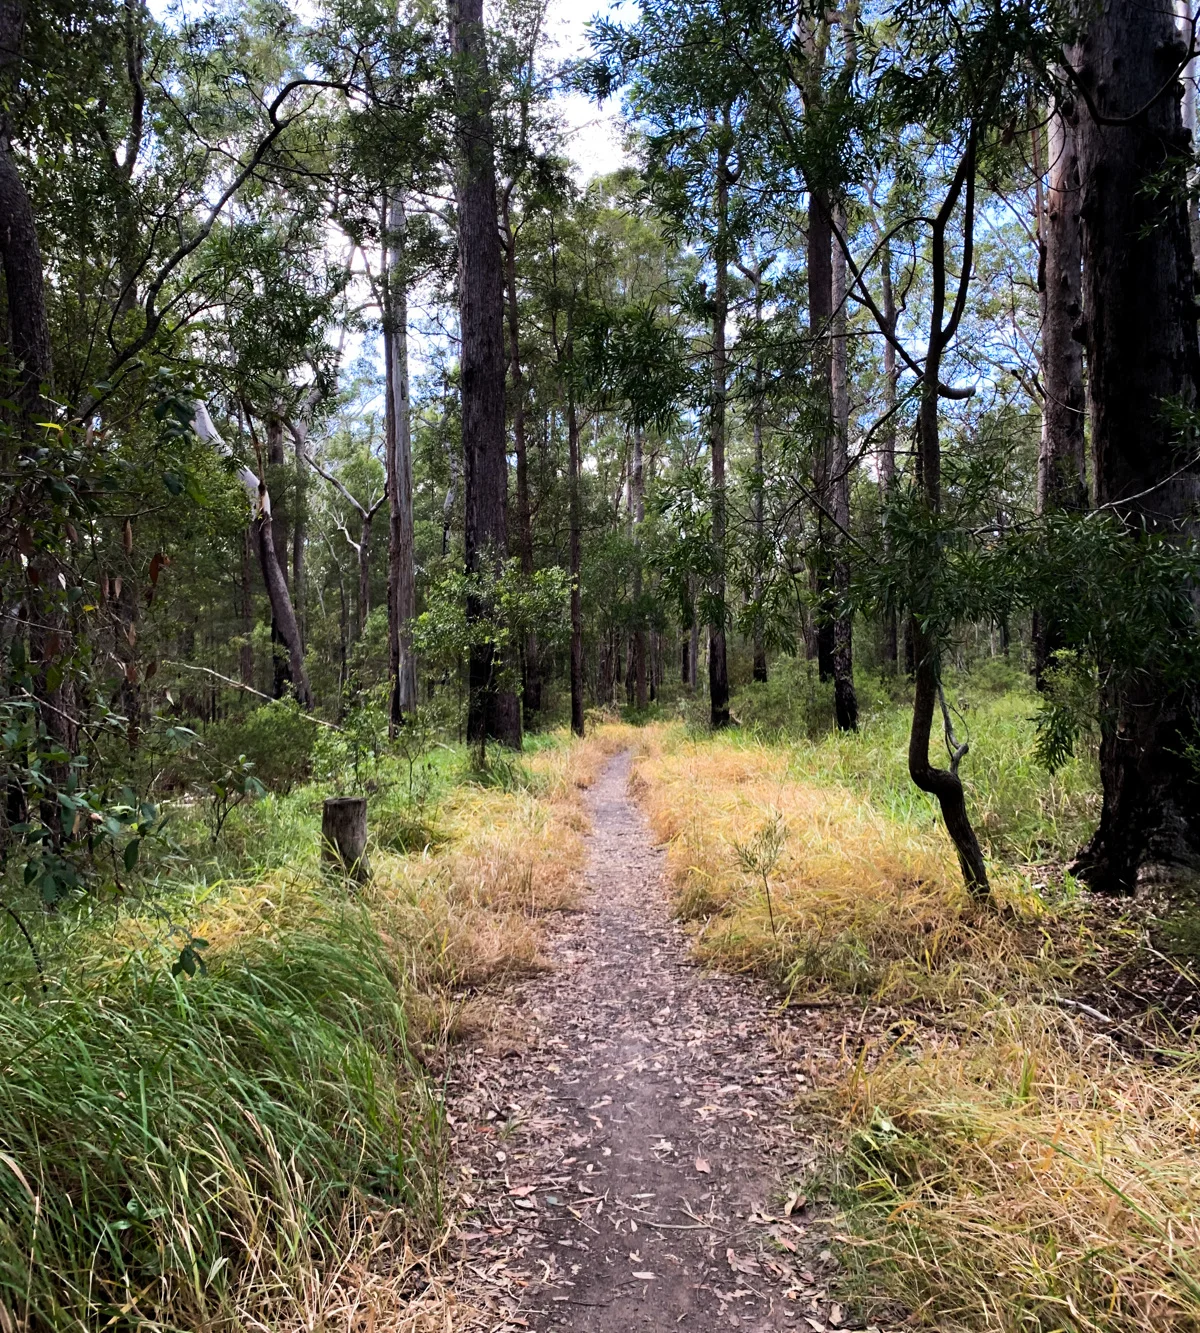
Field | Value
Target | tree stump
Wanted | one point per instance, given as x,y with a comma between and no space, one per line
344,835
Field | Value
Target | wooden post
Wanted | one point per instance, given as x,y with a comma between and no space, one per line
344,835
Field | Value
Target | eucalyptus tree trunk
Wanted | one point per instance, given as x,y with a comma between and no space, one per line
492,710
637,497
820,315
718,666
246,652
887,443
1062,466
401,587
760,648
573,466
844,697
1142,356
531,668
289,666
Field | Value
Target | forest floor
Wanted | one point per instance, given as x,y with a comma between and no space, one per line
625,1131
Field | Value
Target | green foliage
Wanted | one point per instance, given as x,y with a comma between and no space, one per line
276,740
180,1130
791,702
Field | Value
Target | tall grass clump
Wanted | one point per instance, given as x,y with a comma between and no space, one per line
194,1152
1021,1175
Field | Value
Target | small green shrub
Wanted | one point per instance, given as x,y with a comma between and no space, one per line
277,739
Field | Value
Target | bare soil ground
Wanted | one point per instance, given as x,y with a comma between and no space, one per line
625,1138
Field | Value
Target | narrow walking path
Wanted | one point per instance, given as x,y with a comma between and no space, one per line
627,1147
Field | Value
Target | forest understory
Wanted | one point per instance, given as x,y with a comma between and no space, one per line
942,1115
599,666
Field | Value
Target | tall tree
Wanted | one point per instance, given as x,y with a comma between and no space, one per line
718,665
1062,466
493,709
402,586
1143,365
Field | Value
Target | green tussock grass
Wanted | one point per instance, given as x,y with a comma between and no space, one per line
262,1144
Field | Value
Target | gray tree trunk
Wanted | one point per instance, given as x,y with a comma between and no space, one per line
718,666
845,699
344,835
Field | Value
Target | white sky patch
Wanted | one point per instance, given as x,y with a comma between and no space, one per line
596,134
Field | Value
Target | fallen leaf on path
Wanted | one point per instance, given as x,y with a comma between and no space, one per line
795,1201
702,1166
740,1265
644,1277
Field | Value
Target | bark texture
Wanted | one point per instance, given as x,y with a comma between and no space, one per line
820,316
573,463
1142,355
401,588
718,664
1062,459
20,253
844,698
887,443
531,677
637,505
493,710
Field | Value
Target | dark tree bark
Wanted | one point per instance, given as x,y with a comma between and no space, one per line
573,466
718,665
493,710
344,835
1142,355
844,698
637,646
943,783
28,326
820,316
755,276
401,586
1062,469
531,691
887,442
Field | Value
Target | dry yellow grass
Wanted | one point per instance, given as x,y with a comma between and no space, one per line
861,903
1003,1168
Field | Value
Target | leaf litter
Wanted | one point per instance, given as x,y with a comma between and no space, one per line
638,1098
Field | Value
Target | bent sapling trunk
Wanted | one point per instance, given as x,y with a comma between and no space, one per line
945,784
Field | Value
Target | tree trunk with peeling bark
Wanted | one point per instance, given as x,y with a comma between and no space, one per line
1062,466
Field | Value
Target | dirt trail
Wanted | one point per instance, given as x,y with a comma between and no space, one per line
629,1151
